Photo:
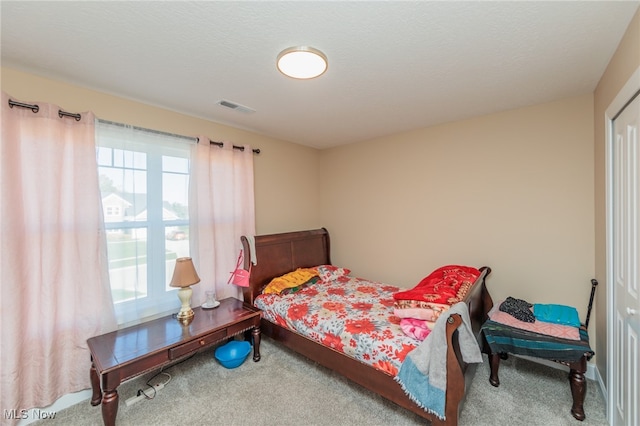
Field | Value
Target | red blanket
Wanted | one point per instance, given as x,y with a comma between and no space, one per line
448,285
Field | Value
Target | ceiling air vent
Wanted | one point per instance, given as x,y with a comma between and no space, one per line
235,106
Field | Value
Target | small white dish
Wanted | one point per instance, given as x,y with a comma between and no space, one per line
206,305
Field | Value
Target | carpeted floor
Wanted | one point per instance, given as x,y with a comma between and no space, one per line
286,389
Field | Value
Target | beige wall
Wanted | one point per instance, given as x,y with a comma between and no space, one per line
512,190
623,64
286,174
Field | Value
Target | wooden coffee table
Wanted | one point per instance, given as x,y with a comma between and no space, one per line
132,351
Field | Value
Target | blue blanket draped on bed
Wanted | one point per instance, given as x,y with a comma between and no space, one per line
423,374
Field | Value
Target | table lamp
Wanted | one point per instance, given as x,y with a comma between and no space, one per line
184,276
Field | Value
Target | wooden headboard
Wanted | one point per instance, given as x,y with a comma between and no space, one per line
278,254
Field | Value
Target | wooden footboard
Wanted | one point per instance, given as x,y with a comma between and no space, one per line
281,253
455,376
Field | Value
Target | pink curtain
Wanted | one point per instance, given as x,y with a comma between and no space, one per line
54,286
221,210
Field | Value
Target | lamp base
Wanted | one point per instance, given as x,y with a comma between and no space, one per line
185,316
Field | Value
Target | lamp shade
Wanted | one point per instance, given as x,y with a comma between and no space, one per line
184,273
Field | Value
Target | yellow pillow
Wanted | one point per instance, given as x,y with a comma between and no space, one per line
290,280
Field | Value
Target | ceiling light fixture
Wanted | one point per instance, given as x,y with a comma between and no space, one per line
302,62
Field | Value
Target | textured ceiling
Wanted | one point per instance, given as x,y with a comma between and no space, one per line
393,66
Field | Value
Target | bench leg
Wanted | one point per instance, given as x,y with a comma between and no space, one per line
494,363
578,391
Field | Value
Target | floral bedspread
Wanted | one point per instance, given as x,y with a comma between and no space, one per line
351,315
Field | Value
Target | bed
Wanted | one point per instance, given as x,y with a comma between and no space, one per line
278,254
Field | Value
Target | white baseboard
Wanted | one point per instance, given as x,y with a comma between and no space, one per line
603,388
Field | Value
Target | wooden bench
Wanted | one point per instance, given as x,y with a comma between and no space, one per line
499,340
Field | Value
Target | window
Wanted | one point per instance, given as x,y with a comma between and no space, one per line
111,212
144,182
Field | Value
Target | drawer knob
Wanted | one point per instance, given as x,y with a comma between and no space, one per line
201,342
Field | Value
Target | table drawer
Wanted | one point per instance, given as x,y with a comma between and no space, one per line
182,350
243,326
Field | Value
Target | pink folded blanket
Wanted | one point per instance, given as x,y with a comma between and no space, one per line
416,328
541,327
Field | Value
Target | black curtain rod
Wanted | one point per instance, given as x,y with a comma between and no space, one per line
61,113
241,148
36,108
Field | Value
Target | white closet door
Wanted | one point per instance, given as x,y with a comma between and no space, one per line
626,196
